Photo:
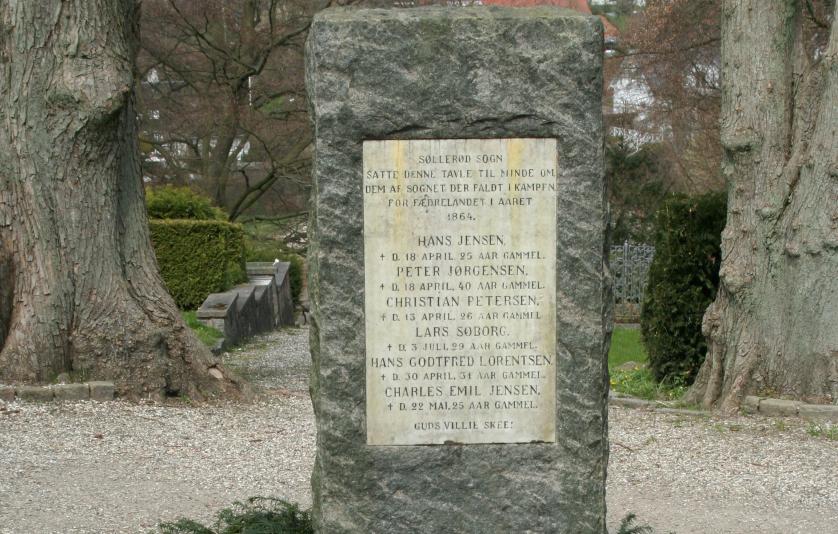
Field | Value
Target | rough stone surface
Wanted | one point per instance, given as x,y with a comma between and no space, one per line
280,271
778,407
819,411
264,309
71,392
101,391
283,291
34,393
750,404
216,373
269,281
245,310
470,73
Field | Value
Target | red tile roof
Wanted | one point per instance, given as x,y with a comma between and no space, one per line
610,29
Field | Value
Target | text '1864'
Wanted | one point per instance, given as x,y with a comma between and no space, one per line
460,290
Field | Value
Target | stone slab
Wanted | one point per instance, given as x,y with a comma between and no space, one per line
71,392
262,280
477,73
822,412
261,268
246,296
285,302
264,318
34,393
259,292
101,391
270,282
778,407
217,306
245,311
219,311
750,404
282,270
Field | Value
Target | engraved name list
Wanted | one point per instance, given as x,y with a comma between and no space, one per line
460,290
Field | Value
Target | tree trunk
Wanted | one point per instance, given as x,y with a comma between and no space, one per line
773,329
80,288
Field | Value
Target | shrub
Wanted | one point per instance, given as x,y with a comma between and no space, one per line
270,252
628,526
171,202
258,515
641,384
683,280
197,258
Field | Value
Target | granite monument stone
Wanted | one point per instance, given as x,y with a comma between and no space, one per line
457,275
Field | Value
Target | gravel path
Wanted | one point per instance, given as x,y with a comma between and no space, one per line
121,467
736,475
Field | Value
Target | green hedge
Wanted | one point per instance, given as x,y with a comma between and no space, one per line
172,202
197,258
683,280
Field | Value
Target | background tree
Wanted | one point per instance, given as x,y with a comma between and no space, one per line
81,292
636,189
223,98
772,328
222,101
672,48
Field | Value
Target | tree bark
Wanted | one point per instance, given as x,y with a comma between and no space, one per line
773,328
80,288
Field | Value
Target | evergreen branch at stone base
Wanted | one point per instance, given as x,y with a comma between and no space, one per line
628,526
257,515
265,515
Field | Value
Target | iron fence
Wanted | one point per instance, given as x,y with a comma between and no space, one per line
630,268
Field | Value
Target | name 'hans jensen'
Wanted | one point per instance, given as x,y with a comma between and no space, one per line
461,240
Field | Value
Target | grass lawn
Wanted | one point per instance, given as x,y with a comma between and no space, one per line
626,346
207,334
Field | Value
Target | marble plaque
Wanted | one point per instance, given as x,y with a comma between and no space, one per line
460,290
